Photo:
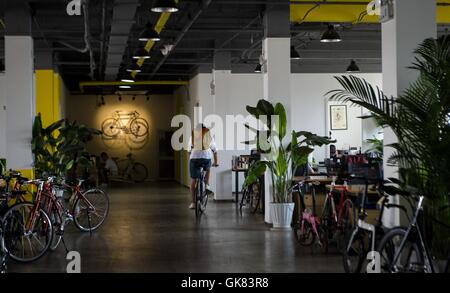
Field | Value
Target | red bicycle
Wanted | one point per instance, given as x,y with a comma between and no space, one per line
338,221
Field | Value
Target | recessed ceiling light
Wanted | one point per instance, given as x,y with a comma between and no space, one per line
141,53
167,6
149,34
134,67
128,80
125,87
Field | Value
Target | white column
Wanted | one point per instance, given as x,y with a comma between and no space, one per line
2,115
277,72
20,102
222,180
414,21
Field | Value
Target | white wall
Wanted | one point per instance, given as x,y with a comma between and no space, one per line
309,108
2,116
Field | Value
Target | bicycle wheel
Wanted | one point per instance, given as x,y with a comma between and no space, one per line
138,173
139,127
410,257
203,203
255,199
110,127
305,236
58,229
90,210
354,252
197,201
22,244
346,224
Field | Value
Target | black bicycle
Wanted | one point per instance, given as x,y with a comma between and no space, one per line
404,250
3,251
201,197
251,197
365,237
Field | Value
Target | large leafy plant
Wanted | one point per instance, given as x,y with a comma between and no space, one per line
420,119
283,157
59,148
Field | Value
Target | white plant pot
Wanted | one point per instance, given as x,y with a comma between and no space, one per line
281,214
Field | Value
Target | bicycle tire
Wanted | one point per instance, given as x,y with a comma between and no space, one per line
109,128
56,221
346,224
139,127
306,237
354,253
103,210
387,250
255,201
11,232
197,201
139,173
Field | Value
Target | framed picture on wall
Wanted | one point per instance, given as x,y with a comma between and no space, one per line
338,117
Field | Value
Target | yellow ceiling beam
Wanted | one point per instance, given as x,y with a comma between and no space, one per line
159,26
336,11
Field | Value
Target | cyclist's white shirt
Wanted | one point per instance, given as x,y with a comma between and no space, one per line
112,167
202,154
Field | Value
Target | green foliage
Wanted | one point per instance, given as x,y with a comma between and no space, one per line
377,147
420,118
60,147
281,161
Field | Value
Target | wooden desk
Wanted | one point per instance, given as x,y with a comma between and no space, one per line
236,172
357,189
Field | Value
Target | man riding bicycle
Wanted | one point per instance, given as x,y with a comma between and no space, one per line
202,149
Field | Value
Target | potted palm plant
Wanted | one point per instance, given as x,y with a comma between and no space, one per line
283,156
420,119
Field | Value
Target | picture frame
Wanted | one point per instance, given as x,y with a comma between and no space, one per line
338,117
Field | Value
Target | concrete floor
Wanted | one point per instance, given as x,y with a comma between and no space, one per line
150,229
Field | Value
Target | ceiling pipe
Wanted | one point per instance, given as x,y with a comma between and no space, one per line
186,28
87,39
137,83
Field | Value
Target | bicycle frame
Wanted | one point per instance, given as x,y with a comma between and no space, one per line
336,214
416,231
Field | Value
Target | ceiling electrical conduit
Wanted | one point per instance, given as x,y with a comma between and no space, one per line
186,28
87,38
137,83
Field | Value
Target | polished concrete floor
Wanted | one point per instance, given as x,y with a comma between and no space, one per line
150,229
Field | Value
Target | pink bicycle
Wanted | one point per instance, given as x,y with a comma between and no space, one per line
308,229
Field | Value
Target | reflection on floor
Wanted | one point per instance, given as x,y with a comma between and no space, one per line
150,229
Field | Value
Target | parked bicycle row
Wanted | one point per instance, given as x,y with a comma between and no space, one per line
365,244
35,213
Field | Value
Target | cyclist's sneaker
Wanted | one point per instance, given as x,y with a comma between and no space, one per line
192,206
208,190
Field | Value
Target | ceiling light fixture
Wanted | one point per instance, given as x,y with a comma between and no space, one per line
294,54
258,68
134,67
141,53
353,67
125,87
331,35
149,34
167,6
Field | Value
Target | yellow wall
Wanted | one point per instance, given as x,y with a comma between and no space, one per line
48,96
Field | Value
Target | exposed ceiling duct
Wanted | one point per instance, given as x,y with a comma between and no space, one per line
122,21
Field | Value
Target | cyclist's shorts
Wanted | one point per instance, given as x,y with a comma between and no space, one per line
196,164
